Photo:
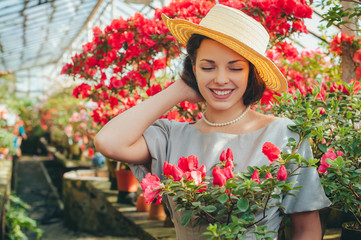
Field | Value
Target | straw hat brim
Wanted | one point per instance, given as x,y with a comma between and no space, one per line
182,30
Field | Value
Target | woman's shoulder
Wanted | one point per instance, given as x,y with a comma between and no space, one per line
167,124
260,120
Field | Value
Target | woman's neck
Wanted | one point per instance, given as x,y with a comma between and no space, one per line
224,116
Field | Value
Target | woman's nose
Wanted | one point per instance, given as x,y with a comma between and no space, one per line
221,77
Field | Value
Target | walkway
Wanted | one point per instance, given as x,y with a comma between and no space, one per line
34,186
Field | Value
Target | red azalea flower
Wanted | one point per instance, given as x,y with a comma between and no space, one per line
230,164
271,151
268,176
282,173
188,106
154,89
202,169
218,177
159,199
223,157
177,173
167,169
322,110
83,90
227,171
255,176
229,154
90,153
188,164
204,188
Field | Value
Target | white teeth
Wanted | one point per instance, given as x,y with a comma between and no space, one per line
221,93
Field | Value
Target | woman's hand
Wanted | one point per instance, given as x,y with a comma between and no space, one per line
122,137
189,94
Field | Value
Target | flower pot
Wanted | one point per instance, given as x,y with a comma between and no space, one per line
141,205
127,186
157,212
126,181
351,230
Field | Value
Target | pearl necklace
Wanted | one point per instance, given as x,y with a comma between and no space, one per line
226,123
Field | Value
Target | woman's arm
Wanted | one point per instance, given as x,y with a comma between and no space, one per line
122,137
306,226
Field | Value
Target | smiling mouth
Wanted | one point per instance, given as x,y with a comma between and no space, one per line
221,92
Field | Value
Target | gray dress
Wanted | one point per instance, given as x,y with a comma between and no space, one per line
170,140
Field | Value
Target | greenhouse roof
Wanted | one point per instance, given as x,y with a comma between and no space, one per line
36,34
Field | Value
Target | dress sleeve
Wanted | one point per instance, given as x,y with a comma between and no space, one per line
311,196
156,137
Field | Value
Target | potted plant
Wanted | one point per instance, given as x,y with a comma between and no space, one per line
127,184
228,201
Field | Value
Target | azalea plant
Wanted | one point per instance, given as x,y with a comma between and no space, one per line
342,176
69,123
331,112
228,201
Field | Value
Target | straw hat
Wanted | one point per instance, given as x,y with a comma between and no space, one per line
239,32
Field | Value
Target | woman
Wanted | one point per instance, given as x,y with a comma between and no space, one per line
227,69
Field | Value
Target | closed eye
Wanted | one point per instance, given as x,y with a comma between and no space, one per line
236,69
207,69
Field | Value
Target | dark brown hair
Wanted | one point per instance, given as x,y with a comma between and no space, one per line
255,86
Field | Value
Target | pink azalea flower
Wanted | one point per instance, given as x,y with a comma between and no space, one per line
328,155
151,186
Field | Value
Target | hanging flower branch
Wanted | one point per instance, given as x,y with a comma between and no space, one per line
127,61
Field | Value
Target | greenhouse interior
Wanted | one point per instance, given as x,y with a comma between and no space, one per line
180,119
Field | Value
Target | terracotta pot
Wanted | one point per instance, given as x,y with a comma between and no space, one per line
126,181
157,212
127,186
349,232
141,206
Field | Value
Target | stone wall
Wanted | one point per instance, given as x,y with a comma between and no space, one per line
90,205
5,186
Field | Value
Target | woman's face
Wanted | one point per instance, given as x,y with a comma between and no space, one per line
222,75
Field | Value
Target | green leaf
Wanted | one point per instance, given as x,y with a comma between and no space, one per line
322,147
196,204
223,198
243,204
209,208
186,217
